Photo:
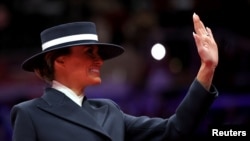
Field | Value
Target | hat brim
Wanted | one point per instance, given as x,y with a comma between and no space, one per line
106,51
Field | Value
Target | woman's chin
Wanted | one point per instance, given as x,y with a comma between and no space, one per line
97,81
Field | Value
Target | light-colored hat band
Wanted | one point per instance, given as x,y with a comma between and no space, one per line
67,39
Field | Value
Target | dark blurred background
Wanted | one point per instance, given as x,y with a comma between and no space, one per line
137,82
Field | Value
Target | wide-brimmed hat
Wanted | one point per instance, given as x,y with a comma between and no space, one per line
68,35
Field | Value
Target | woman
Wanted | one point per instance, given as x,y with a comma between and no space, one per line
70,61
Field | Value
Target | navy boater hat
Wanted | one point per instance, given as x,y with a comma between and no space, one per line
68,35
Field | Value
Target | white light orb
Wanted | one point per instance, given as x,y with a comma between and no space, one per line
158,51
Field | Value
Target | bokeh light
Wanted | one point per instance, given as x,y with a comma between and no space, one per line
158,51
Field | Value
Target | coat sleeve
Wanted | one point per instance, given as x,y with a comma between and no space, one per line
23,130
180,125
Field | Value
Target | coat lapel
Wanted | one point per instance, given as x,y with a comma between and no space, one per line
99,114
60,105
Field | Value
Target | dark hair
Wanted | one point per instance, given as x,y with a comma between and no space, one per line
46,70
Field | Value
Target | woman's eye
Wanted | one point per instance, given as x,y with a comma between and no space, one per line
90,51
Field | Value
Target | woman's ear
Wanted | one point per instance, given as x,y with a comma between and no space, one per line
60,60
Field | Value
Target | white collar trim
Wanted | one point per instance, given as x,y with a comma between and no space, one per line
68,92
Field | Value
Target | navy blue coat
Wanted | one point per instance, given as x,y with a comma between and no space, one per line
54,117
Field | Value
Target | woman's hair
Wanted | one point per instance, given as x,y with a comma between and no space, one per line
45,70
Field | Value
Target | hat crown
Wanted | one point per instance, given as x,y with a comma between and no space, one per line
67,29
70,33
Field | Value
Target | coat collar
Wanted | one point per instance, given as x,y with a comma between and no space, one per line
87,116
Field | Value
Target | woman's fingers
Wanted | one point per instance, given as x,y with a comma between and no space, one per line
199,26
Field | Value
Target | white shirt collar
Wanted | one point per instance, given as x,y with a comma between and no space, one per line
68,92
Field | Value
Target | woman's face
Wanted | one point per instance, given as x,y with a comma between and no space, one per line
82,66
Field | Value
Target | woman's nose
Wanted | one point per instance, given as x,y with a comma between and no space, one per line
98,58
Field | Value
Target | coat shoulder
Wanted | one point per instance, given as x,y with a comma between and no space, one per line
28,103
